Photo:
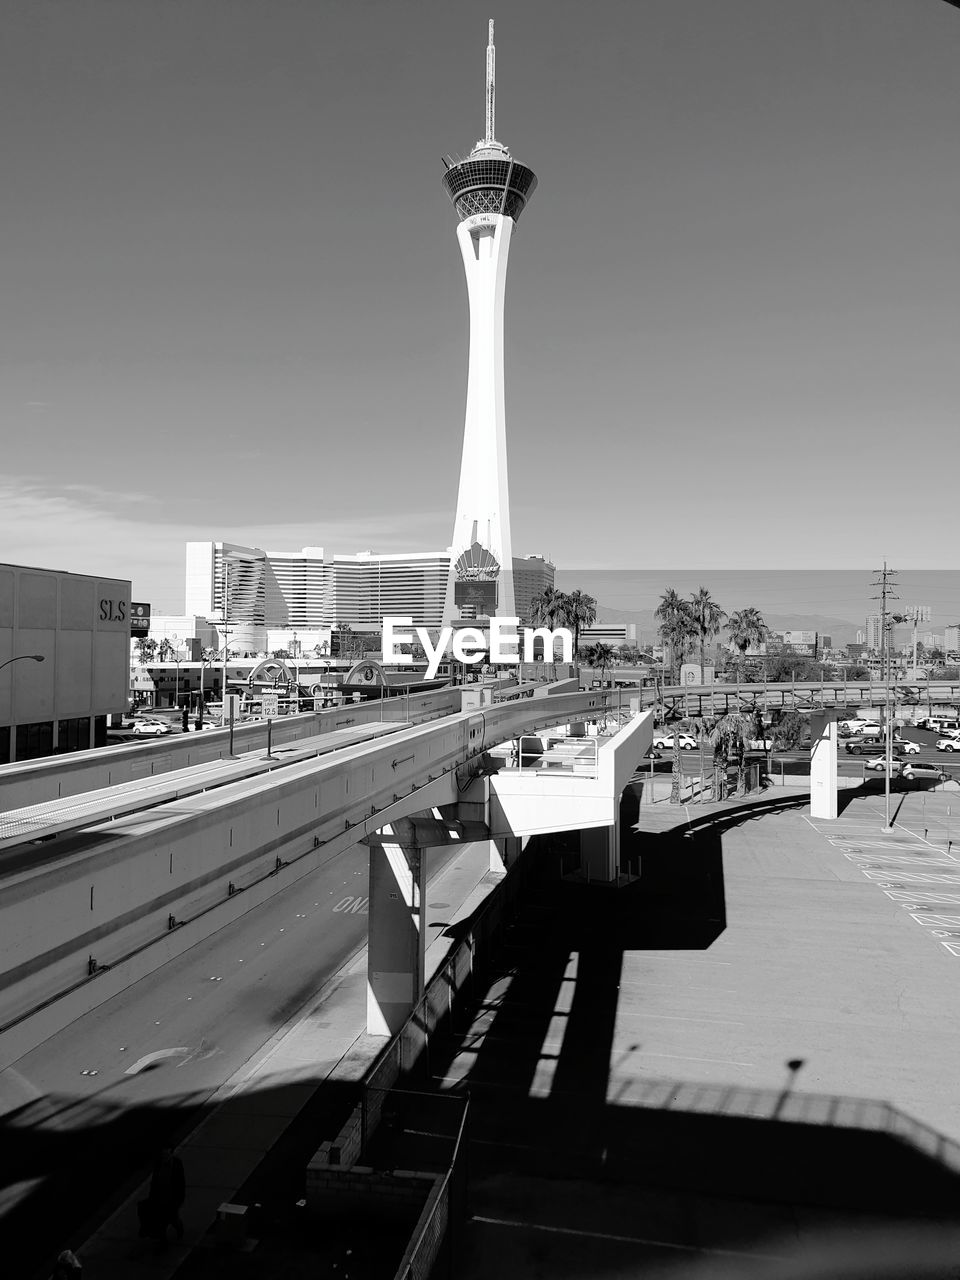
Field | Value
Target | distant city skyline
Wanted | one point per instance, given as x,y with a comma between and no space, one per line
233,307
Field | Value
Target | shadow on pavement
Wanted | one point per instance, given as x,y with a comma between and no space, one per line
534,1054
67,1163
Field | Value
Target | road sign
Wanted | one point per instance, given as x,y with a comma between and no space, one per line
139,619
270,705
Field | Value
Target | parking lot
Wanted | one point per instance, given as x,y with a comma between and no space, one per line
797,761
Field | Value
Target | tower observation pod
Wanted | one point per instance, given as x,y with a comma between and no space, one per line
489,191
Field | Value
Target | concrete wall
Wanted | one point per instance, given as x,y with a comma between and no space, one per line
36,781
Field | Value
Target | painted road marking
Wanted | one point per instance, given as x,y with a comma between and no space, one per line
684,1057
618,1239
161,1055
895,865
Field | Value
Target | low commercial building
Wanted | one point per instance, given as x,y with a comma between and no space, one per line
64,660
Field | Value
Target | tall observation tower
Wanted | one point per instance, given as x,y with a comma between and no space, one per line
489,191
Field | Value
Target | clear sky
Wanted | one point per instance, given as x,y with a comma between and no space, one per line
233,304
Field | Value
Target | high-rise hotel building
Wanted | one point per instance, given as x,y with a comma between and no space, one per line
306,590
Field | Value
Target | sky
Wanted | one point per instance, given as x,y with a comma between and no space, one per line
233,304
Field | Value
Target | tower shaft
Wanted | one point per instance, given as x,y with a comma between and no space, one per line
489,191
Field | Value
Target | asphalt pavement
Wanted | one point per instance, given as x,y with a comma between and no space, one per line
83,1113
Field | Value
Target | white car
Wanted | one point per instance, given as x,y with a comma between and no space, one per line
908,747
154,728
879,763
664,742
948,744
924,771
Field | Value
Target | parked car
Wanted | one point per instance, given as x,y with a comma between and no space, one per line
149,727
855,725
948,744
664,742
916,769
879,764
939,724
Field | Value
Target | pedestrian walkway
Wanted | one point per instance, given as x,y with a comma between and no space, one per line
739,1065
327,1045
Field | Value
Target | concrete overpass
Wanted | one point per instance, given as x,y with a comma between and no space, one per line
798,695
116,898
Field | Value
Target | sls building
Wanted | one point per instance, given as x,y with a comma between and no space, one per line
489,190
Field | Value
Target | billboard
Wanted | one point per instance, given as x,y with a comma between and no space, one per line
139,619
476,594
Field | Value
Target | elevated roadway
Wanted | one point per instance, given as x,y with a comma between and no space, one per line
120,898
40,822
34,781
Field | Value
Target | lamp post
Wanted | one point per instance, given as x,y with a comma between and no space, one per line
177,660
22,657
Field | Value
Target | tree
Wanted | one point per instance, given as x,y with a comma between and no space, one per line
598,655
676,627
164,651
707,617
280,653
746,627
731,735
547,607
789,666
579,610
701,727
146,650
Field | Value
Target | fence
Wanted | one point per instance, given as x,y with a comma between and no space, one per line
443,1211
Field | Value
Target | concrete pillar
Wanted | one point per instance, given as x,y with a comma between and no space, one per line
600,853
395,945
823,764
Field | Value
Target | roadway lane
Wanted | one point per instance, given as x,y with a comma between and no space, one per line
100,1094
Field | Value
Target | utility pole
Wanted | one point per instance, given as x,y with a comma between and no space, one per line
886,585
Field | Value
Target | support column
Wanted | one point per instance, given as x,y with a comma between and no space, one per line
823,764
600,853
395,945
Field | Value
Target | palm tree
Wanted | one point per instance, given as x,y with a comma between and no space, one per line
731,735
708,618
676,626
746,628
547,607
146,649
701,727
579,610
598,655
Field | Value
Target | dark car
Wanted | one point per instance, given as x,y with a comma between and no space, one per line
867,745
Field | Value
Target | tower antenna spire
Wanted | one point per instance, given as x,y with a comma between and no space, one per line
491,86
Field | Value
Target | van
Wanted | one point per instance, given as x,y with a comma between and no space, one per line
939,724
